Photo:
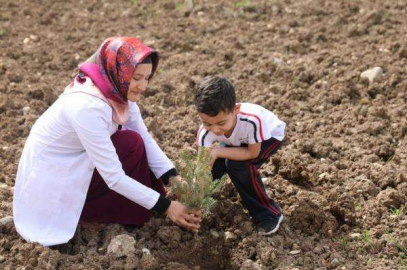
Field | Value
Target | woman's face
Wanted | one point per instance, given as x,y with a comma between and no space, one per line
139,82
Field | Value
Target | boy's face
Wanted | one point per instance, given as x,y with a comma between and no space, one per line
221,124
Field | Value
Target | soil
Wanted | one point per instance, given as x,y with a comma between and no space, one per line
340,177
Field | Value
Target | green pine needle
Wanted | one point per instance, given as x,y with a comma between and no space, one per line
196,171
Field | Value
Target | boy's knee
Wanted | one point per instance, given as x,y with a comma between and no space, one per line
235,166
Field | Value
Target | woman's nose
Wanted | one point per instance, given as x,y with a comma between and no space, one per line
143,85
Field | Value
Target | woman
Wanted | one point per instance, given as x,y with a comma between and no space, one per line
73,168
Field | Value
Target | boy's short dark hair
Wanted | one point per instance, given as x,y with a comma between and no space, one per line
215,94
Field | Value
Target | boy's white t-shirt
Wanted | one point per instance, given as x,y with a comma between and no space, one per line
254,125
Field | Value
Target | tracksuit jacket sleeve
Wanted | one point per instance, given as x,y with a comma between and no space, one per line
91,125
159,163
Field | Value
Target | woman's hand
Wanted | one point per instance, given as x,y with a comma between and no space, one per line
178,213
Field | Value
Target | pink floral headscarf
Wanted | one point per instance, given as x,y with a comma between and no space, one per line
111,69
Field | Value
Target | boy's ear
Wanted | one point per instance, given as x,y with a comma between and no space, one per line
237,107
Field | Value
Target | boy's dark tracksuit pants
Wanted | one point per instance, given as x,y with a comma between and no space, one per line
247,180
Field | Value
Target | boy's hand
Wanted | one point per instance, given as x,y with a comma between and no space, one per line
214,151
236,153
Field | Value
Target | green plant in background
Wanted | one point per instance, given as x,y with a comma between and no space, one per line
403,254
179,4
358,208
198,187
401,249
2,32
344,244
242,3
398,212
366,238
135,2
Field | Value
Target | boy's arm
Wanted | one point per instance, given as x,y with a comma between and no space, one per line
237,153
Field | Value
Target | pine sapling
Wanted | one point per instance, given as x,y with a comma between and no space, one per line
198,187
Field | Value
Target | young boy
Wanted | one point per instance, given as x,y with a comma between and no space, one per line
250,135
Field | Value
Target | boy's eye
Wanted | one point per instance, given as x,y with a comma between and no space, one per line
221,123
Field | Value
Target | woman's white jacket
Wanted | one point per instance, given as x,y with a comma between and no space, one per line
64,146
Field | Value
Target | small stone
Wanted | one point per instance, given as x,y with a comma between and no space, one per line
229,236
6,220
372,74
318,250
2,185
324,175
122,245
77,57
238,232
149,262
278,61
2,259
250,265
34,38
364,101
247,264
355,236
26,110
335,263
248,227
188,7
403,53
295,252
26,40
146,251
276,9
214,233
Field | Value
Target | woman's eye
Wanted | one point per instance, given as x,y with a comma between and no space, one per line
141,78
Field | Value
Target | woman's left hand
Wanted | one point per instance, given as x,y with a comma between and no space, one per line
178,213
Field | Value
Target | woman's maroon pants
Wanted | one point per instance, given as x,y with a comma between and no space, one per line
104,205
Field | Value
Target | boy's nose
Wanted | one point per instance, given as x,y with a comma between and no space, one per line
216,131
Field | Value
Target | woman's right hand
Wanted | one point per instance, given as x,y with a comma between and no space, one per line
178,213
